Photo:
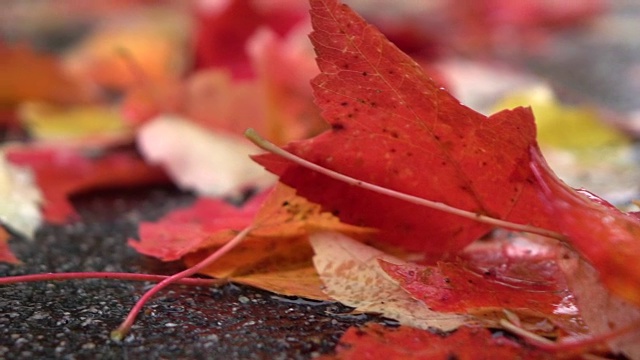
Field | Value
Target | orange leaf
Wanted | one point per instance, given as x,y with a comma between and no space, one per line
27,75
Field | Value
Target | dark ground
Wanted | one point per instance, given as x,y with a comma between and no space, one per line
73,319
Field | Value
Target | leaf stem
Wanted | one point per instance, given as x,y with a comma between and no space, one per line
272,148
123,329
104,275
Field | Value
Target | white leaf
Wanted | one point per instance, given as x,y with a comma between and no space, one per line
20,199
213,164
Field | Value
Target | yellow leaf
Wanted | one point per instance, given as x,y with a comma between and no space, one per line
52,122
564,126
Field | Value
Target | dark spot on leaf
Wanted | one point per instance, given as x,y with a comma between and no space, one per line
337,126
344,103
373,104
447,280
392,150
452,356
437,137
285,203
364,73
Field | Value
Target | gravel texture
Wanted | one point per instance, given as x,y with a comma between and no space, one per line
73,319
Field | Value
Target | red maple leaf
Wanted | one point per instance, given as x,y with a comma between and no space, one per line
223,30
61,172
608,238
393,126
375,341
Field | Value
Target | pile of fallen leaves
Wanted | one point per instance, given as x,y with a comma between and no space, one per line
390,196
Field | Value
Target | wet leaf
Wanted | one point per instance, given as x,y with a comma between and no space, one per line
523,279
605,236
374,341
352,275
601,310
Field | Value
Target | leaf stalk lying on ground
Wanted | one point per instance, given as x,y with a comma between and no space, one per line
105,275
122,330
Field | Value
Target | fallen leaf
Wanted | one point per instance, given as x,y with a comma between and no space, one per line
5,252
190,229
602,311
394,127
211,163
581,147
63,171
224,27
283,68
374,341
155,43
27,75
21,198
352,275
605,236
564,126
273,254
522,279
49,122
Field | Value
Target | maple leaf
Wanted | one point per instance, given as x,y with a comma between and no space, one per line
605,236
91,123
352,274
223,30
27,75
602,311
523,279
157,44
211,163
21,199
61,171
276,250
394,127
377,342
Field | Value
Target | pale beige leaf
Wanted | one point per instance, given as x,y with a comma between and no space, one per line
351,274
210,163
20,199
